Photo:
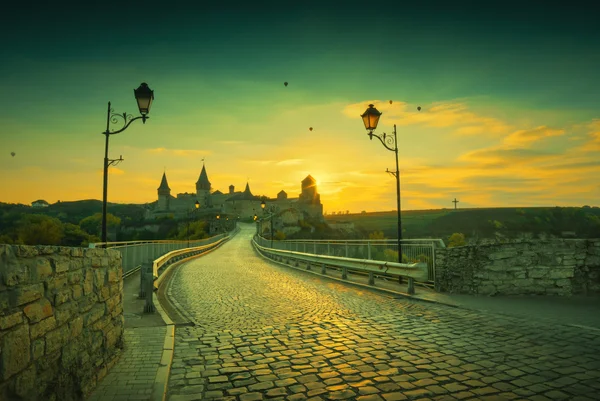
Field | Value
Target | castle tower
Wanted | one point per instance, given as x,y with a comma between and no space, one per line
309,190
164,194
203,188
231,190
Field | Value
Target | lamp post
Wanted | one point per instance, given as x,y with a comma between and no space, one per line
370,119
271,212
197,206
144,96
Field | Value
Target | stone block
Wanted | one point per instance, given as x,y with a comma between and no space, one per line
102,323
6,322
112,302
112,336
62,296
25,251
77,291
113,276
12,272
57,338
88,282
85,303
563,282
49,362
41,269
495,267
4,300
520,274
76,327
56,282
115,288
65,312
516,268
503,254
527,282
557,291
96,262
16,353
41,328
38,310
25,294
93,252
25,383
76,264
561,273
99,278
538,273
76,252
38,348
60,264
75,277
104,261
104,293
96,312
47,249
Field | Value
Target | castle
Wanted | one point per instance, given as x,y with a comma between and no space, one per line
241,204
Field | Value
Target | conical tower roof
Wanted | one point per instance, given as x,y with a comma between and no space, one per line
203,182
164,186
247,193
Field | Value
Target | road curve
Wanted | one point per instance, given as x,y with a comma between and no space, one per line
263,331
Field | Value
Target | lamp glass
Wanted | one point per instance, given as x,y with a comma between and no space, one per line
144,96
197,204
371,117
263,204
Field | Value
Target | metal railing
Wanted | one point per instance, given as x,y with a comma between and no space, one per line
413,271
385,250
133,253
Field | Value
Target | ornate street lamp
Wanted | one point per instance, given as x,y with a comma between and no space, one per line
197,206
272,210
144,97
370,119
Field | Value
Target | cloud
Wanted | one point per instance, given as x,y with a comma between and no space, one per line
527,137
181,152
437,115
500,155
593,143
289,162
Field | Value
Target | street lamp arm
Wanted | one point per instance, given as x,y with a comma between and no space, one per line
127,120
386,140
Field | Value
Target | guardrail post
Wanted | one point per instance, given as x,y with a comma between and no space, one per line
371,278
143,269
323,270
344,273
149,283
308,266
411,286
328,254
369,250
346,249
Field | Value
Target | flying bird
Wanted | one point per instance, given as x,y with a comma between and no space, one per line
311,128
12,154
419,108
285,83
390,102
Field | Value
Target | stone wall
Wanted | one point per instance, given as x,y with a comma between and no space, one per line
543,267
61,320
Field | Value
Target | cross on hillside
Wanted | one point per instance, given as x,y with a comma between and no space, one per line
455,202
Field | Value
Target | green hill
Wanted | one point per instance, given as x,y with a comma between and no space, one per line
581,222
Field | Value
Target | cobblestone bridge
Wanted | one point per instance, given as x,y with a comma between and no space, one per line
264,331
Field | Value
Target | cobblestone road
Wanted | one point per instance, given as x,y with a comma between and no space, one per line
264,331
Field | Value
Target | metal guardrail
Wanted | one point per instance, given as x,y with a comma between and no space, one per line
413,271
134,253
413,250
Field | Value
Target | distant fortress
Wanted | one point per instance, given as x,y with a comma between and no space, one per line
241,204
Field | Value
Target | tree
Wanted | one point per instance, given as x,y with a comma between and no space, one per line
93,224
376,235
74,236
456,239
39,229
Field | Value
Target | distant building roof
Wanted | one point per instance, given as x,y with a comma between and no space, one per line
203,182
40,201
217,192
163,183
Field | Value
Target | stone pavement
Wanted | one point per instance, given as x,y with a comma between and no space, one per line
133,376
264,331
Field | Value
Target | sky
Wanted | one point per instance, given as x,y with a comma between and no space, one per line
509,96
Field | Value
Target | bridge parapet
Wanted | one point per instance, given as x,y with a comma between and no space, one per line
61,320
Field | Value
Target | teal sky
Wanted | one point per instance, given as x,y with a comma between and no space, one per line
218,73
